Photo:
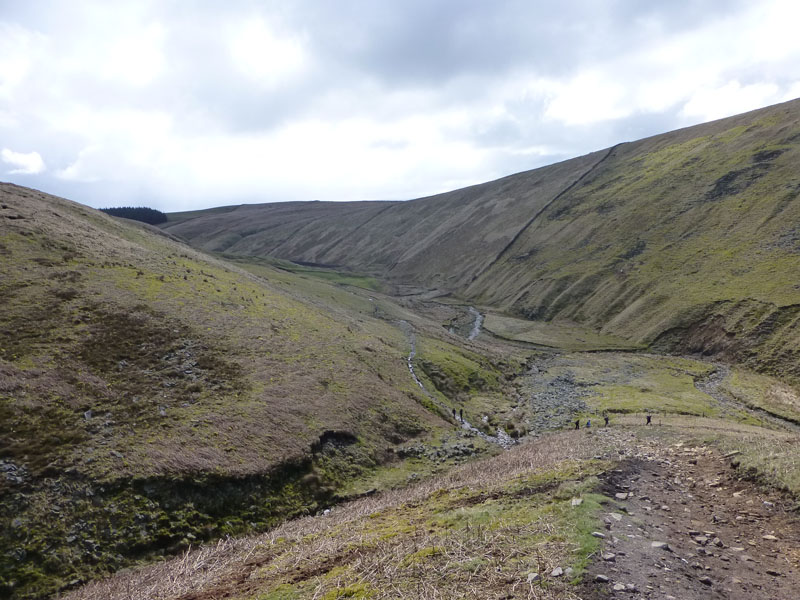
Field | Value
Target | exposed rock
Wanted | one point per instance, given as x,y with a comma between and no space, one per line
661,546
557,572
597,534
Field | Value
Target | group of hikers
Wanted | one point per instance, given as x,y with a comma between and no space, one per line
577,421
589,422
649,421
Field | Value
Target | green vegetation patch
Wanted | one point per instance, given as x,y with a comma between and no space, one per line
456,372
634,383
566,336
326,274
764,393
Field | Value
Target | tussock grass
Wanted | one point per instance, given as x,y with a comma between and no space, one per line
769,460
473,532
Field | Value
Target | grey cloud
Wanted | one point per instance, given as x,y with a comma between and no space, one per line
377,60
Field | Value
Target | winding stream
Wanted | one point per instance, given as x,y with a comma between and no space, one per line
501,438
476,326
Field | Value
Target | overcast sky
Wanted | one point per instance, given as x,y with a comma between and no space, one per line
179,105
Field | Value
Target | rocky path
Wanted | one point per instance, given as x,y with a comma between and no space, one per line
683,526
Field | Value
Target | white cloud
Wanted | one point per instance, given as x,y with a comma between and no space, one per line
589,97
136,59
263,55
29,163
19,51
792,92
732,98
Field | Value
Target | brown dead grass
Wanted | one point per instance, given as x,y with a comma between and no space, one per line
347,536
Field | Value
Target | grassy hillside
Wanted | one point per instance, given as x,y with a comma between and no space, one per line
152,397
686,240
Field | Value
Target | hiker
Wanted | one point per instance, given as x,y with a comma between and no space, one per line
454,414
577,423
605,418
461,414
588,423
648,419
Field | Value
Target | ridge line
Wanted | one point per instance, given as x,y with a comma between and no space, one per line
544,208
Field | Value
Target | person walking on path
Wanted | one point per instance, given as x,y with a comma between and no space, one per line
461,414
454,414
588,423
648,419
577,423
605,418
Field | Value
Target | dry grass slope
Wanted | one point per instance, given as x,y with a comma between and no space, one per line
137,375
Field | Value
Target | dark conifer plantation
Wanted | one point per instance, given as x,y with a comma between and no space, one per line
139,213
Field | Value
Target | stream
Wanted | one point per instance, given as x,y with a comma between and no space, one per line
501,438
476,326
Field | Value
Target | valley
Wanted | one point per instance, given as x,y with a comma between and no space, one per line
380,399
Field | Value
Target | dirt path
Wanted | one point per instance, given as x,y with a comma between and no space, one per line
685,527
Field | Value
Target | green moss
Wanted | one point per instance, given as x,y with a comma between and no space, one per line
358,590
419,556
282,592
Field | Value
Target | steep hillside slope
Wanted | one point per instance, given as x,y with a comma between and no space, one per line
687,240
438,241
151,396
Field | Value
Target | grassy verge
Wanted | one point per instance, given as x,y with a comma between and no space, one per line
327,274
771,460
